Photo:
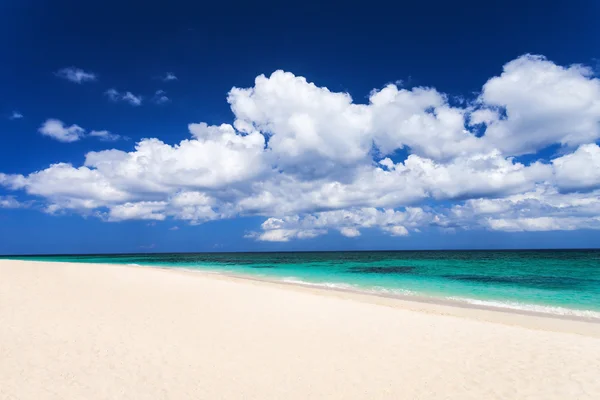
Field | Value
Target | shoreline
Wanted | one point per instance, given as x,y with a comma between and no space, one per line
432,305
414,298
421,299
416,301
573,304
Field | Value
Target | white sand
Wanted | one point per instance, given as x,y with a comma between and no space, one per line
82,331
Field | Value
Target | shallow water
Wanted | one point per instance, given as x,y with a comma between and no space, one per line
551,281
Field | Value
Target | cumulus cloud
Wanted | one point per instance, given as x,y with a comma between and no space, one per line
69,187
348,222
127,97
311,129
312,161
349,232
76,75
206,162
538,104
15,115
57,130
285,235
580,169
144,210
542,209
422,120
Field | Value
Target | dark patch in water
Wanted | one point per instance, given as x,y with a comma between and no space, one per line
382,270
535,281
262,266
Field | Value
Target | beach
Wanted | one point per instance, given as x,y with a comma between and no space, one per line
95,331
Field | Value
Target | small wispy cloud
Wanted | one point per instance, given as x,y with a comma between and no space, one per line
169,76
76,75
15,115
105,136
174,228
128,97
10,202
57,130
160,97
132,99
113,94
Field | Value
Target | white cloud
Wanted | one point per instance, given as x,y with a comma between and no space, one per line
9,202
423,120
13,182
56,129
206,162
285,235
169,76
105,136
311,160
160,97
174,228
544,104
397,230
542,209
144,210
540,224
579,170
128,97
113,94
348,222
196,207
70,187
76,75
132,99
349,232
311,129
524,224
15,115
395,185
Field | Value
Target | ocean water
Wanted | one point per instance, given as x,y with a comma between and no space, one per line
565,282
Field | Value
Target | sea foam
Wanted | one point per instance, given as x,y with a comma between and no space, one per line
512,305
507,305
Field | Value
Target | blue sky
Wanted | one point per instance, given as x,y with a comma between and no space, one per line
300,167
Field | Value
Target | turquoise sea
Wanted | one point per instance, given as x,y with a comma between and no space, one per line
563,282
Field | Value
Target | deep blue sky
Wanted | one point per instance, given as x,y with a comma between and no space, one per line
212,46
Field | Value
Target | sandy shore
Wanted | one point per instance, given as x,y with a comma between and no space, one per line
83,331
